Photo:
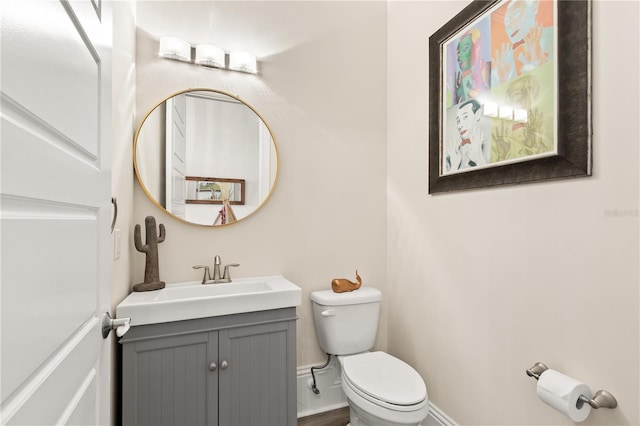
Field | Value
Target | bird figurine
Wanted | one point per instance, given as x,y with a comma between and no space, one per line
341,285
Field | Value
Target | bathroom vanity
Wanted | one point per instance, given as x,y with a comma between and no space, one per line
235,368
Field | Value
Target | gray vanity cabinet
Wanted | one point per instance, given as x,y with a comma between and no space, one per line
229,370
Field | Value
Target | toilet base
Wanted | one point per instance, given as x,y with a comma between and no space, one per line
359,417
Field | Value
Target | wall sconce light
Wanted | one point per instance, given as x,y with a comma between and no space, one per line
207,55
242,61
174,48
210,56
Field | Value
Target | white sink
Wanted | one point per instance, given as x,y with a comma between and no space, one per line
189,300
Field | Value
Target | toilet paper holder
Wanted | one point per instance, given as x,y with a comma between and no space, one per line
601,399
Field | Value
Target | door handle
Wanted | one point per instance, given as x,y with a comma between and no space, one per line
213,366
115,213
224,365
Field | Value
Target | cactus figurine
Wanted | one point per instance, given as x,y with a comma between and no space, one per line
151,267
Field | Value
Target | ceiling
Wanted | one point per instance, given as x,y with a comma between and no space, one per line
261,27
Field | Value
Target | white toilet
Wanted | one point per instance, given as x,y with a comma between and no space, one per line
381,389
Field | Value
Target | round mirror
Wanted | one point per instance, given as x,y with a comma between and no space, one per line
206,157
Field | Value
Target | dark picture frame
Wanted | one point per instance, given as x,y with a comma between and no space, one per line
572,156
211,185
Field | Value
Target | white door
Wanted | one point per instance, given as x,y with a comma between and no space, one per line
176,155
55,211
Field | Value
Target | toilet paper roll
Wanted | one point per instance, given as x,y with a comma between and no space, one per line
562,393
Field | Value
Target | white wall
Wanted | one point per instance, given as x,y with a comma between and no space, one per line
123,127
123,109
550,271
485,283
321,88
152,166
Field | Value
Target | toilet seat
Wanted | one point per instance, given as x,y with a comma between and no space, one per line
384,380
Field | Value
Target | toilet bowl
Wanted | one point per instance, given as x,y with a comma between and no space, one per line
381,389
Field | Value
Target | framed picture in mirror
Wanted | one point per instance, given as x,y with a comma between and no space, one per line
212,190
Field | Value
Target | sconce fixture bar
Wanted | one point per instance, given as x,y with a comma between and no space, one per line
208,55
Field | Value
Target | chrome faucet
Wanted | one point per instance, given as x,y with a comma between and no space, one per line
216,268
216,279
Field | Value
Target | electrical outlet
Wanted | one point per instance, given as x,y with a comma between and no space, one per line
116,244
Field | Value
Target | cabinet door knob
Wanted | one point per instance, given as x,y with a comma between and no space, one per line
224,364
212,366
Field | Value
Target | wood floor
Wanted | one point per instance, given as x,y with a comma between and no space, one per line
339,417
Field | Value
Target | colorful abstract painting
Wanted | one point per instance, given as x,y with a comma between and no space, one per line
499,87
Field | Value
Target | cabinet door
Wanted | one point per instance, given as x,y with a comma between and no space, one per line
170,381
258,385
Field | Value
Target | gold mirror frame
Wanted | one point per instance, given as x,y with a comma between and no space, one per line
214,224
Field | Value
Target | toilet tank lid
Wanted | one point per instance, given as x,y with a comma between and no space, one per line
361,295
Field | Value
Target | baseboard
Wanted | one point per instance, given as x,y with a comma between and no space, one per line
437,417
331,396
329,384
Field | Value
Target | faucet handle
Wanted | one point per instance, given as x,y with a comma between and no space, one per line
226,275
207,275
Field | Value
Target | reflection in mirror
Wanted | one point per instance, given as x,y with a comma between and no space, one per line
194,135
209,190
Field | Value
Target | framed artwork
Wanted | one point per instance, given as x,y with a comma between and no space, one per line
510,94
212,190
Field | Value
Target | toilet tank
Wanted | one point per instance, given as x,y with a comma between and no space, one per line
346,323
